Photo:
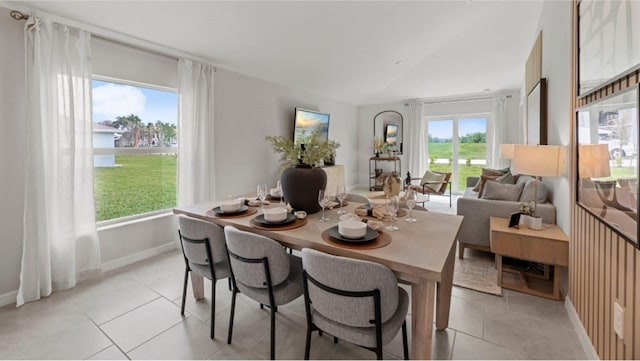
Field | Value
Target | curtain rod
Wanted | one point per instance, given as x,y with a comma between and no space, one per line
435,101
117,38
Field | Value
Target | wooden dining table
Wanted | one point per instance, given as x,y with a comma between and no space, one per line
420,254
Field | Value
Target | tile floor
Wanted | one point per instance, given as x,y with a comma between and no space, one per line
134,313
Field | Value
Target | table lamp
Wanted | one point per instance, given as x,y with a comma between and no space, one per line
537,161
506,152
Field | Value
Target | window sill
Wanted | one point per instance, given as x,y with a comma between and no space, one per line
125,221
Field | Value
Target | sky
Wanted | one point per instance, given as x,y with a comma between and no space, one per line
444,128
111,100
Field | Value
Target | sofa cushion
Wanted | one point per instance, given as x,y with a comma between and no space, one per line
430,176
487,173
506,178
502,192
529,191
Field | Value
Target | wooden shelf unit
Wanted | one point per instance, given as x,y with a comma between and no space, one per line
373,165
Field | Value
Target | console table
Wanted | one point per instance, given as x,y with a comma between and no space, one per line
549,246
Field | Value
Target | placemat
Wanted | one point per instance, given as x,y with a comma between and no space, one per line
248,212
295,224
383,239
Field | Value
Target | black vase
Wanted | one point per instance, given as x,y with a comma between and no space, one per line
301,185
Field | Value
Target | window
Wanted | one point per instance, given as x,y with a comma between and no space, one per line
458,145
135,147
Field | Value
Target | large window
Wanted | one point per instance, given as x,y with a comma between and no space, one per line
458,145
135,147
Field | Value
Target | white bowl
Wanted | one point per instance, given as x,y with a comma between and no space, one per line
352,229
277,214
274,192
230,205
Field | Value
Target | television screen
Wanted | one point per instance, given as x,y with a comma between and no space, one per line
391,134
308,121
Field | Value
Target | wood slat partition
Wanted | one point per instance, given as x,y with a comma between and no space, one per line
604,269
533,67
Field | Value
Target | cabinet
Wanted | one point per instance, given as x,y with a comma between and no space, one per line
379,165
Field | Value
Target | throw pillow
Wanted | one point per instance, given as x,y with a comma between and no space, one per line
506,178
487,172
502,192
529,190
430,176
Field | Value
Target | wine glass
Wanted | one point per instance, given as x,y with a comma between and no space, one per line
262,194
392,208
410,202
341,194
280,192
323,201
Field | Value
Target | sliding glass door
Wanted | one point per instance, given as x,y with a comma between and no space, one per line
458,144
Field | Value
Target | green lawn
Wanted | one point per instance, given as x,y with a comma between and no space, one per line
465,150
140,184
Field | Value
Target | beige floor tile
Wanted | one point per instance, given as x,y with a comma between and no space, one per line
471,348
133,328
291,338
47,316
250,323
106,306
188,340
466,316
202,308
110,353
234,352
77,341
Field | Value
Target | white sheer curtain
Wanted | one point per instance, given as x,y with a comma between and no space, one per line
60,241
496,134
416,133
195,138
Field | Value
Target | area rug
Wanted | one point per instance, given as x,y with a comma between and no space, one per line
477,271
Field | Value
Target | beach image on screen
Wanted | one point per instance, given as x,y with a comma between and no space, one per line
307,122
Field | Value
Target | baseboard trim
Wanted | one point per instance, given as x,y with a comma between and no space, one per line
585,341
137,257
8,298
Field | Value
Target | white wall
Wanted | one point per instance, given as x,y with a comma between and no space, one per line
247,109
12,113
555,24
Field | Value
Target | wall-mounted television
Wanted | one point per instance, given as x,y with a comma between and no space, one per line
391,134
308,121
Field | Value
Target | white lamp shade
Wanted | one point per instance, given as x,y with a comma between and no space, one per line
537,160
506,151
593,161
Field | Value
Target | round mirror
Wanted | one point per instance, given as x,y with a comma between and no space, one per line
388,126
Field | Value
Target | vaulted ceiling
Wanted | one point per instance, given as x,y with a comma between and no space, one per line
360,52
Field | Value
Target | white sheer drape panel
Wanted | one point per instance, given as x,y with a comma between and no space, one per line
417,151
196,133
496,134
60,240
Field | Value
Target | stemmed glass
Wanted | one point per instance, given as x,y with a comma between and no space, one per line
392,208
262,194
341,194
279,190
323,201
410,202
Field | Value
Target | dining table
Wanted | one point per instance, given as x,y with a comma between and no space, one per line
420,254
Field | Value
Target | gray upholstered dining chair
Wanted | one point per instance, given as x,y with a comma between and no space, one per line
357,301
264,272
203,247
352,197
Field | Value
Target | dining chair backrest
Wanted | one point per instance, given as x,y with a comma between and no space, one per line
251,246
350,275
193,232
351,197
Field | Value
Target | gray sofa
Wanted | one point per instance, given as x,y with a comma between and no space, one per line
474,232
